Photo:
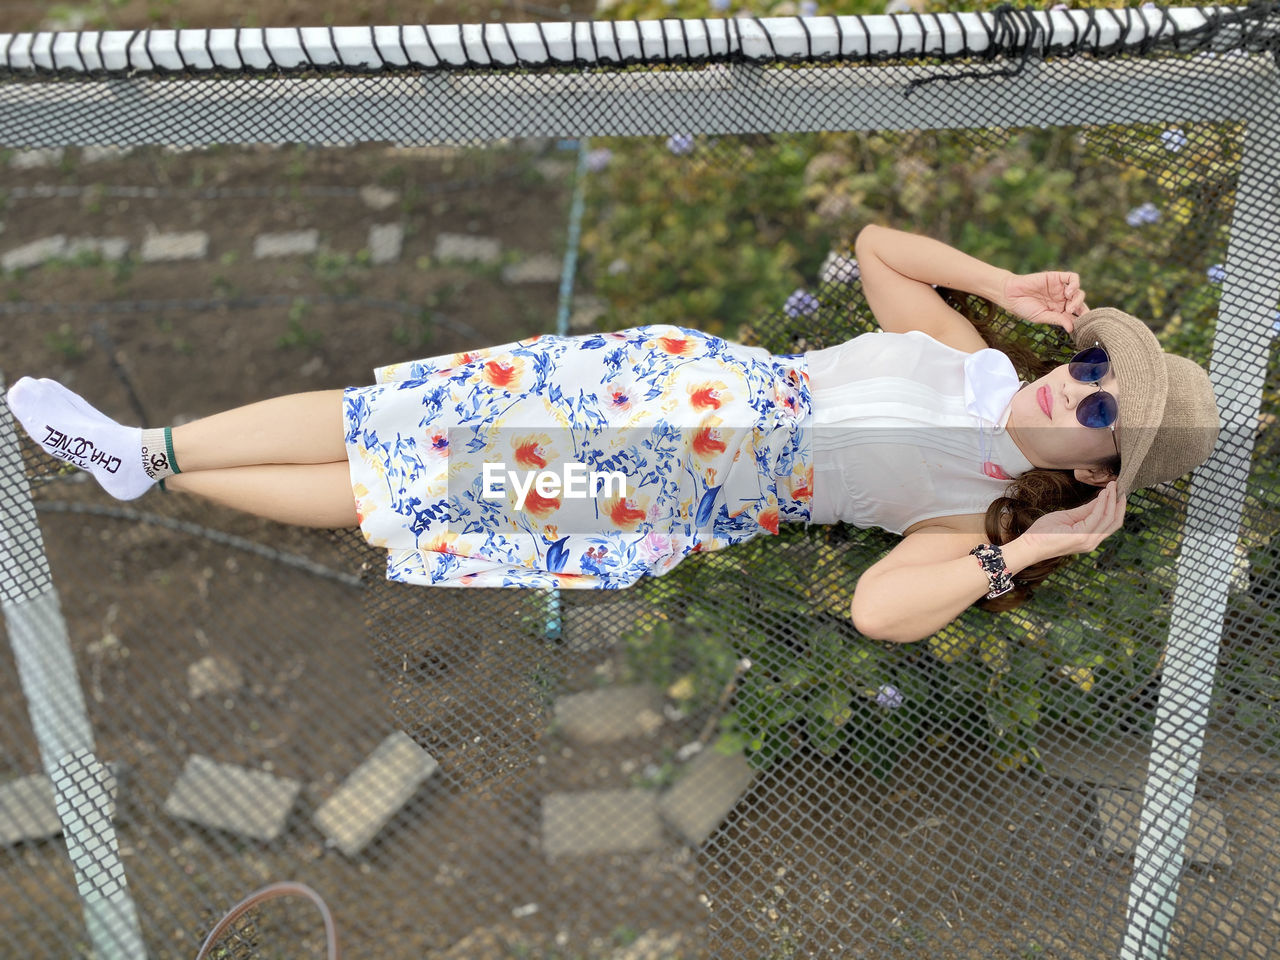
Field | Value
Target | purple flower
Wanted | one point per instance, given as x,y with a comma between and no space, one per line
680,144
839,269
801,304
1060,6
889,696
1216,273
720,5
598,159
1275,323
1147,213
1173,140
808,8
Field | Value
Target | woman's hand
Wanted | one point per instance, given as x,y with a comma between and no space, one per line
1078,530
1048,297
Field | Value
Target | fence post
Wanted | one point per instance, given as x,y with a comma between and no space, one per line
83,788
1207,558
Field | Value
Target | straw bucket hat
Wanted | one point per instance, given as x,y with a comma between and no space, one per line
1168,422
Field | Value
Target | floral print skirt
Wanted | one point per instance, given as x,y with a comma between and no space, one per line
585,461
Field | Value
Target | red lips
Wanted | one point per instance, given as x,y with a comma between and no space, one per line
1045,398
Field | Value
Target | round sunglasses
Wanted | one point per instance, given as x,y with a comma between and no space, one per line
1099,409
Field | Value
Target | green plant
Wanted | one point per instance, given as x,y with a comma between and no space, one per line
340,274
718,234
121,271
65,342
297,335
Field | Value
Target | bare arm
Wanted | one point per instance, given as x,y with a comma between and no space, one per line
898,271
929,579
926,581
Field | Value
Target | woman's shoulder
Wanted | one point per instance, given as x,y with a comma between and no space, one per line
969,523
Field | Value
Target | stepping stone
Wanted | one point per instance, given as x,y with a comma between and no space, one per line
600,821
296,243
378,198
542,268
468,249
1119,815
385,242
587,310
28,810
34,253
34,159
108,248
175,246
374,792
606,716
252,803
403,151
705,793
98,154
213,675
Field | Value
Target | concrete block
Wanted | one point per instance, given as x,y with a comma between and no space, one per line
374,792
35,159
606,716
193,245
213,675
468,249
402,151
600,821
295,243
93,154
108,248
34,253
587,310
28,810
252,803
378,198
541,268
1119,815
555,169
385,242
705,793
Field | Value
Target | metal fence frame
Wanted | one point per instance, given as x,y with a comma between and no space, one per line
721,102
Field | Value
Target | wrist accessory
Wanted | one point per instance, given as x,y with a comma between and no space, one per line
992,560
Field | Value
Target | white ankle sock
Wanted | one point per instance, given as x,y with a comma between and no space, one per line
67,427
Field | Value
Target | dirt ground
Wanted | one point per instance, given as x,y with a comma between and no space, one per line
819,859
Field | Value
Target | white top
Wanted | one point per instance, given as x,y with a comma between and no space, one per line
894,441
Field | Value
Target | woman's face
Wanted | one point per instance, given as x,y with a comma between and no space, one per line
1043,424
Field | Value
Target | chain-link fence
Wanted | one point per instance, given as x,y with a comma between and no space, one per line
713,762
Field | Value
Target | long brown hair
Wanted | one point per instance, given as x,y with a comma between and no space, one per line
1036,492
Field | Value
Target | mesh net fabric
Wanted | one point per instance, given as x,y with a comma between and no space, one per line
712,763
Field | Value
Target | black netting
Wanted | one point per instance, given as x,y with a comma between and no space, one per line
711,763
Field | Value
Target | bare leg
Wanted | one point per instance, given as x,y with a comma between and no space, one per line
297,428
308,495
284,459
